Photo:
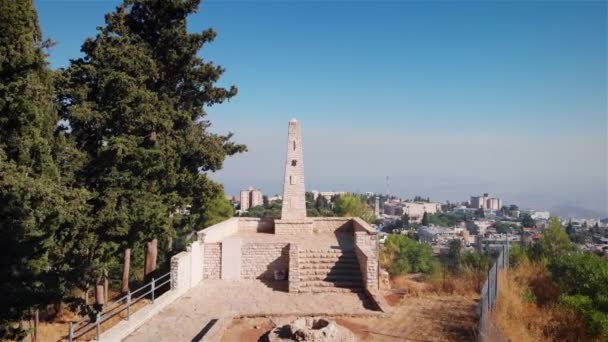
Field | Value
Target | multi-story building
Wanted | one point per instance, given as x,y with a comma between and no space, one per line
486,202
251,198
415,210
327,194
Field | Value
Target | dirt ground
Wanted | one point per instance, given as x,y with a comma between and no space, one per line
57,330
425,317
247,329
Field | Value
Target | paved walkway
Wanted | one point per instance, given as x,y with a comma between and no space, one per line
189,317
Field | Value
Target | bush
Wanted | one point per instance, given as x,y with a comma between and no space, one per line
583,278
579,273
401,255
576,302
517,255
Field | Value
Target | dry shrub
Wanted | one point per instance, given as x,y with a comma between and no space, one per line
467,282
520,318
406,286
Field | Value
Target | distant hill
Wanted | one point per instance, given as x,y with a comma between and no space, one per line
576,212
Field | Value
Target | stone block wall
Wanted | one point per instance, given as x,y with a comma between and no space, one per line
293,227
368,263
365,235
366,249
187,268
259,260
212,260
256,225
332,224
180,272
294,268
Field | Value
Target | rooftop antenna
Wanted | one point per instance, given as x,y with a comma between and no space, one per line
388,189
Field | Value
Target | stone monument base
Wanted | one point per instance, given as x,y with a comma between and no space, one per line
293,227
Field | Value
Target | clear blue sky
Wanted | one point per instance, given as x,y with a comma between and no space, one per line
449,99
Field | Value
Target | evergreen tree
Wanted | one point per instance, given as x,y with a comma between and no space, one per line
425,219
135,104
44,239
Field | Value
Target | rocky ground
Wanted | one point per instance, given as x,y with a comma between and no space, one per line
422,317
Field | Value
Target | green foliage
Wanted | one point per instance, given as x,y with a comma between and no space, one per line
353,205
131,155
273,211
444,219
529,296
401,255
554,241
217,210
506,228
527,221
425,219
45,240
583,279
474,260
454,256
135,104
517,255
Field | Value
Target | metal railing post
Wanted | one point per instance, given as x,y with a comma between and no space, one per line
152,284
495,286
128,304
71,332
98,328
489,291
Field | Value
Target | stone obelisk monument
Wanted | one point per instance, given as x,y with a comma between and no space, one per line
293,212
294,201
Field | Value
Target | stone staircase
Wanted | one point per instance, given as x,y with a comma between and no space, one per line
332,270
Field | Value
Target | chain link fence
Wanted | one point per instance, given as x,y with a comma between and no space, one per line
489,292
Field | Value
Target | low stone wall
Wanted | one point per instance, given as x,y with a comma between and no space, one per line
368,263
220,231
332,224
294,268
212,260
187,268
259,260
365,235
366,249
293,227
256,225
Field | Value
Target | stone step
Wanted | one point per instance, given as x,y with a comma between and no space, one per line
328,266
337,278
337,284
344,271
334,251
327,260
331,290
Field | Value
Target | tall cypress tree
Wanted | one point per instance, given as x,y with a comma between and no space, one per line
40,217
136,106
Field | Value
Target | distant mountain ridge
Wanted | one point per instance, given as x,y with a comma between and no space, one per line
566,211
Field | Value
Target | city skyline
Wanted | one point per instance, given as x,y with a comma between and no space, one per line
448,99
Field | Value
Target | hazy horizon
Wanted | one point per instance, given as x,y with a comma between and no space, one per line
447,99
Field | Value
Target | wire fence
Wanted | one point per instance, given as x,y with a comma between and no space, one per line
79,328
489,292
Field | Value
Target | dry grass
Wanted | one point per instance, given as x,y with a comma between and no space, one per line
56,330
467,282
524,311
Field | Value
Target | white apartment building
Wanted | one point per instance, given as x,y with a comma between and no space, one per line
486,202
251,198
415,210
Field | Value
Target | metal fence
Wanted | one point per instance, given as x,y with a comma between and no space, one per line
487,302
79,328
